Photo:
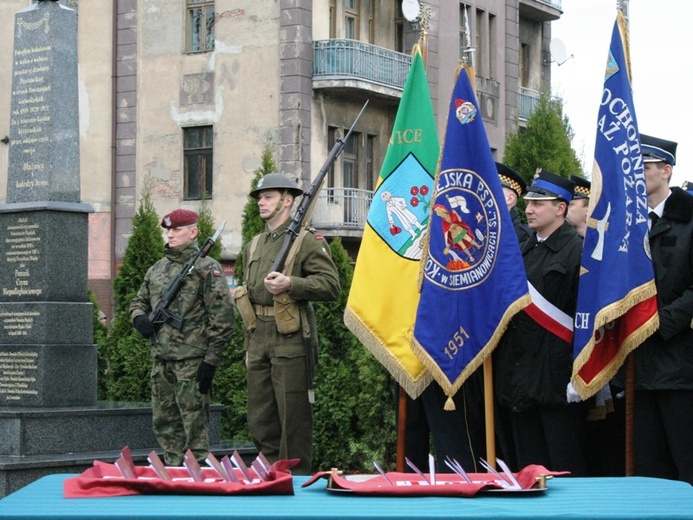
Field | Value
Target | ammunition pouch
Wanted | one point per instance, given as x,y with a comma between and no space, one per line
286,314
245,308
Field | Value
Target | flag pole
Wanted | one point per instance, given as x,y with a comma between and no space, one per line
420,46
622,6
489,412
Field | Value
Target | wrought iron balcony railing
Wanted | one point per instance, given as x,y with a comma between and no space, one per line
341,208
353,59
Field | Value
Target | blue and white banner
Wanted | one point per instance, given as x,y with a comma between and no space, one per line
617,303
473,276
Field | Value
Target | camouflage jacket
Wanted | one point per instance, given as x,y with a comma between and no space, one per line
204,303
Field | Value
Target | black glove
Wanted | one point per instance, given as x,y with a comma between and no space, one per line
205,374
144,326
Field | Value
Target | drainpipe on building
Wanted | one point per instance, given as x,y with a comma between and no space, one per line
114,79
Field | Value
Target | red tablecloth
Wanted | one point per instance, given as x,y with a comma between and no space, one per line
447,484
104,480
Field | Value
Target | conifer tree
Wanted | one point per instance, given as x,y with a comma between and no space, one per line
205,224
128,354
100,334
544,143
354,407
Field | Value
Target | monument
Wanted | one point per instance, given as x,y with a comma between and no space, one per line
50,420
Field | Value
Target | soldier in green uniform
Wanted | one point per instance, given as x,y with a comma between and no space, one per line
280,415
184,360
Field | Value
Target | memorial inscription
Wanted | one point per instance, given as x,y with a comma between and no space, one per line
21,251
31,113
43,157
18,370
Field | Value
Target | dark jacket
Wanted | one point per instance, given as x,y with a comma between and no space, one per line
522,230
665,360
532,367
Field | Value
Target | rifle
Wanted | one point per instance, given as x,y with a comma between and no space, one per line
161,314
305,207
302,213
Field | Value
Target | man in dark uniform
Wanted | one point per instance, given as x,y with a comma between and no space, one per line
532,366
577,209
184,360
514,187
664,362
688,187
280,416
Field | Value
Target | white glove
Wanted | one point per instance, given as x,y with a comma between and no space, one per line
571,394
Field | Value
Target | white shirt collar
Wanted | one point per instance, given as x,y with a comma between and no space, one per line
659,210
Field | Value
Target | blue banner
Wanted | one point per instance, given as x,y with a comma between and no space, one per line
617,307
473,277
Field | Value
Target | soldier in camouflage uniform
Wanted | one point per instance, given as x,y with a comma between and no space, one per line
184,360
280,416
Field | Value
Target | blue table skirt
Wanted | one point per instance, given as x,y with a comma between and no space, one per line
589,498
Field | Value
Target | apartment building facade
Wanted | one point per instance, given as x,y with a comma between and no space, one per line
183,96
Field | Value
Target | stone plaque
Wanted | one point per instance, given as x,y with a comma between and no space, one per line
43,254
44,122
45,375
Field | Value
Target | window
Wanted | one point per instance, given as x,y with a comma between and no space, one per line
481,43
331,140
200,25
492,46
351,19
371,21
524,64
370,153
333,19
350,177
197,155
399,28
465,33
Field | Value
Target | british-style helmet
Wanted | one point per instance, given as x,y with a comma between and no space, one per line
276,181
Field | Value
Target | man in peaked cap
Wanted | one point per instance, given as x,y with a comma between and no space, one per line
514,187
533,366
577,208
664,362
185,359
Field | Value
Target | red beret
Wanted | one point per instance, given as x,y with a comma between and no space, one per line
178,218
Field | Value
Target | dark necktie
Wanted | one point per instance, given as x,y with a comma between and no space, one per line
653,218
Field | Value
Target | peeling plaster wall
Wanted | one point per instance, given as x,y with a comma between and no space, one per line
234,88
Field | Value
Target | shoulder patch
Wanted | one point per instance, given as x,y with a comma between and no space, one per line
319,237
216,272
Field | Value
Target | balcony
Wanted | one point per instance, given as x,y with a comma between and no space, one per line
343,210
541,10
352,64
527,101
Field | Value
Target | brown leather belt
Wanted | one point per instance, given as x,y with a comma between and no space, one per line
263,310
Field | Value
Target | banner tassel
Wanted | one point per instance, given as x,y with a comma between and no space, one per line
449,405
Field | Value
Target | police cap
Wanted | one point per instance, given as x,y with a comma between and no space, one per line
550,186
511,179
582,187
655,149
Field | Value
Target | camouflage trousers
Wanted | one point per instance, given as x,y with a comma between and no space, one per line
180,411
280,418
